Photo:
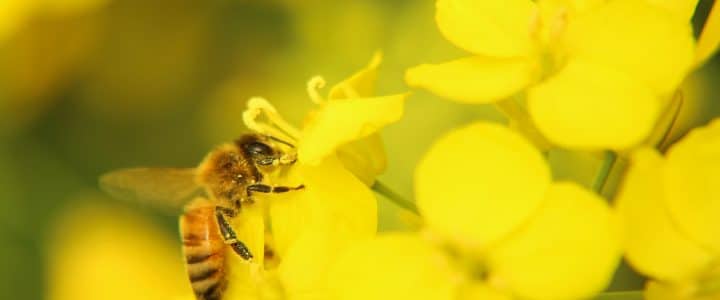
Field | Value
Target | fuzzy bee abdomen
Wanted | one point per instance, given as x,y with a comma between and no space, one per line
204,252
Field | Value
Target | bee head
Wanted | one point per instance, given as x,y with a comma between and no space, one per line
264,151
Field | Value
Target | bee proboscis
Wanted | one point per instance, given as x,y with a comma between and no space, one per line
228,176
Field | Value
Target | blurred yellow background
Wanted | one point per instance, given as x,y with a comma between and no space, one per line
88,86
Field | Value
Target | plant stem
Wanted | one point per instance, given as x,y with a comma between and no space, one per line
710,35
394,197
604,172
664,125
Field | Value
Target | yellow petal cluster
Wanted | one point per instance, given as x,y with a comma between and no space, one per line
348,123
671,215
392,266
582,66
339,154
480,160
497,226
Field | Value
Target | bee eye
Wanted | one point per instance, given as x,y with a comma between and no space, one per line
255,148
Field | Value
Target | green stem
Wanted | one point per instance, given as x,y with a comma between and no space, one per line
394,197
604,172
625,295
661,132
710,36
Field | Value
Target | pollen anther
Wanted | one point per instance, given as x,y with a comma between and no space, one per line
313,86
274,125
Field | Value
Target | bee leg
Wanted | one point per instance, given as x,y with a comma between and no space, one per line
287,159
225,211
228,233
264,188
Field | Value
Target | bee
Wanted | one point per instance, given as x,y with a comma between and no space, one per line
228,176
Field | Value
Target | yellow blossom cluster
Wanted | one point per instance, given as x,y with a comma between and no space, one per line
572,74
588,71
590,75
670,211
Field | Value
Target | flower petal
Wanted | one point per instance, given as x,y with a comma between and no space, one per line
552,8
360,84
571,240
591,106
652,243
554,16
393,266
332,197
246,279
104,252
467,184
692,185
337,123
304,269
493,28
480,290
365,158
620,35
475,79
683,9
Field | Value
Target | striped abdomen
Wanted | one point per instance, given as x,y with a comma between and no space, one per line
204,252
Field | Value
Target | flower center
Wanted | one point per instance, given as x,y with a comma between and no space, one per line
470,267
273,124
548,27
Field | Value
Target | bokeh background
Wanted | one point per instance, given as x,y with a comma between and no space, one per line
88,86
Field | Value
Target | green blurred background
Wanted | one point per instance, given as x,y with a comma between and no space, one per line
88,86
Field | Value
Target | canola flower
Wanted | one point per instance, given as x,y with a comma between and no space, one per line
495,223
670,211
497,227
593,74
339,154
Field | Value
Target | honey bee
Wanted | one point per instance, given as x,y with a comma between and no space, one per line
228,176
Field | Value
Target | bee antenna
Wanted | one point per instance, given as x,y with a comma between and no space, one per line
280,141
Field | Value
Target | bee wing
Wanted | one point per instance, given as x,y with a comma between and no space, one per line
164,188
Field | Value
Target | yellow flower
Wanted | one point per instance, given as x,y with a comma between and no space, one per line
670,211
583,66
497,228
99,251
346,124
339,155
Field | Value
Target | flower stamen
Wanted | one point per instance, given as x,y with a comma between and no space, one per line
274,126
313,86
